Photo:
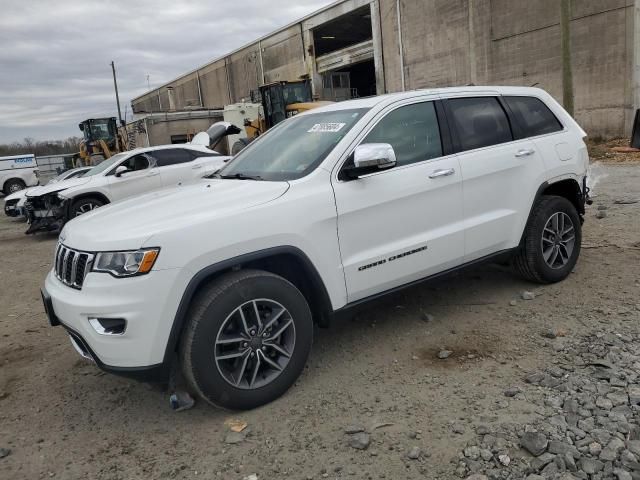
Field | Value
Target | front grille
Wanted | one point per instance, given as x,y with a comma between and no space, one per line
71,266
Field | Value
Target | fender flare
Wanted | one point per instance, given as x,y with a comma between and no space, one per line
201,277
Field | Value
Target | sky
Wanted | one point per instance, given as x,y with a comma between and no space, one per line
55,55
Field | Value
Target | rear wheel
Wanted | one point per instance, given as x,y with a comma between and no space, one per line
84,205
247,339
552,241
13,185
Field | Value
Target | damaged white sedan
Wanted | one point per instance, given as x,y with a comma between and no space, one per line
125,175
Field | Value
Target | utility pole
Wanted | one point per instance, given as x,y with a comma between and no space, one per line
567,71
115,84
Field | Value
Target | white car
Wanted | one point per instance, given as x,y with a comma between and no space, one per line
327,210
124,175
14,203
18,172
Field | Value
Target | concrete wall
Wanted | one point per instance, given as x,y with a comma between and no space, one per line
517,42
445,43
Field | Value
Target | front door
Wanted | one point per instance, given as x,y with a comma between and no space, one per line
405,223
141,176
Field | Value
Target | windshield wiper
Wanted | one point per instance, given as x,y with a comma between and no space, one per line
241,176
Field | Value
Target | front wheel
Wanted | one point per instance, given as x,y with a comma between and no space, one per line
84,205
248,337
552,240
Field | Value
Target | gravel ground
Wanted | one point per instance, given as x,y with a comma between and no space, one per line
375,401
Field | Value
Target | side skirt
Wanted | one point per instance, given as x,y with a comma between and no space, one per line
349,309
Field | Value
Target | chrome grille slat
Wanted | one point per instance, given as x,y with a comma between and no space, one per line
72,266
74,269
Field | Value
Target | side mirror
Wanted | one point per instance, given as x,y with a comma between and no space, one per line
370,158
120,170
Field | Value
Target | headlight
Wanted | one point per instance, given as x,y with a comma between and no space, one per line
126,264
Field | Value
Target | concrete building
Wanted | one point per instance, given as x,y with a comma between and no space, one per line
363,47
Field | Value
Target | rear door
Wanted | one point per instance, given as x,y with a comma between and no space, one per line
500,173
142,176
405,223
176,165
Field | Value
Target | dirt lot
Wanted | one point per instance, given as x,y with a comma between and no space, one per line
61,417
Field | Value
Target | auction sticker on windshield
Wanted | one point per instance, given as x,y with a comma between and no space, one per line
326,127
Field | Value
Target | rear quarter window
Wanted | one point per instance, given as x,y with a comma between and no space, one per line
533,116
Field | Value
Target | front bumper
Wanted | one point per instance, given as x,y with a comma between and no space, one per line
148,303
44,216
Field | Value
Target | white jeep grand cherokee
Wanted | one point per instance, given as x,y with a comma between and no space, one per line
226,277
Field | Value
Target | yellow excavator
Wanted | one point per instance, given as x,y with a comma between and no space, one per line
102,139
279,100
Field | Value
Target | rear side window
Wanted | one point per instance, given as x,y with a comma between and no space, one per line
533,116
412,131
479,122
171,156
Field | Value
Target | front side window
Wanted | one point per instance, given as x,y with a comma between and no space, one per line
135,163
293,148
479,122
171,156
533,116
412,131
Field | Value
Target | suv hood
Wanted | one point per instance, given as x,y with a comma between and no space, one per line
128,224
57,186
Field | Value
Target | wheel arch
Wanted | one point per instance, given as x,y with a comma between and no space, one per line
97,195
289,262
568,188
10,179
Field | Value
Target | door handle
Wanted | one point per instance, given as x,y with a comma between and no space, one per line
152,174
524,153
195,167
442,173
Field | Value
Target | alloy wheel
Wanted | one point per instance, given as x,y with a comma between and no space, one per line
558,240
85,208
255,344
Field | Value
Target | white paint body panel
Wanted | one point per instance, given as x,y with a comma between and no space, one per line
20,167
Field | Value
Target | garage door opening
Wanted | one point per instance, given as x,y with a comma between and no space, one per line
354,81
347,30
345,57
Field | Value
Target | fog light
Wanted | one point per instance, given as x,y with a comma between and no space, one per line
109,326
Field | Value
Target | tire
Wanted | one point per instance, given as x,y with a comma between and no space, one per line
84,205
533,261
239,145
214,319
13,185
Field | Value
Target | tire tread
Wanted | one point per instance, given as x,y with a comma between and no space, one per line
203,298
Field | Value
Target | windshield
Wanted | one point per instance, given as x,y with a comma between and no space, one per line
294,148
101,167
100,129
